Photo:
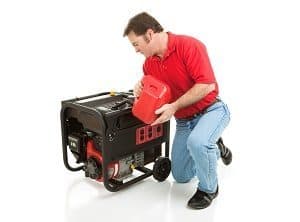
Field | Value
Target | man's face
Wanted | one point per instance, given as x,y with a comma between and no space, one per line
141,43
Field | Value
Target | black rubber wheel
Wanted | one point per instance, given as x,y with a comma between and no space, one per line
161,168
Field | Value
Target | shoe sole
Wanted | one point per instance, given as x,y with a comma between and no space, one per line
200,208
227,159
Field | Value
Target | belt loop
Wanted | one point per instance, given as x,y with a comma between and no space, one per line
216,100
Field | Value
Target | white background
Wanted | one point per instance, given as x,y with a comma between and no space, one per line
56,50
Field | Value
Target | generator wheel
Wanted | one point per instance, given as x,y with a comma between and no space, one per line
161,168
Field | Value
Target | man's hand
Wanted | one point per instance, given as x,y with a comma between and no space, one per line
166,111
138,89
196,93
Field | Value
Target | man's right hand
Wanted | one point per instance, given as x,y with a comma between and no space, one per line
138,89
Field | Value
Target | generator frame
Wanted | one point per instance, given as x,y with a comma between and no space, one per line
85,111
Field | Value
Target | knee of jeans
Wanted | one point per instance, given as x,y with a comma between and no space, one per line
179,176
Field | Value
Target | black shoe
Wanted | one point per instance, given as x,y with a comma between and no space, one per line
201,200
226,154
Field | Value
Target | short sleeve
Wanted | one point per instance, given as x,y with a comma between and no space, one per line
197,62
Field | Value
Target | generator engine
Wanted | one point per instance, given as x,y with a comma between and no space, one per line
84,151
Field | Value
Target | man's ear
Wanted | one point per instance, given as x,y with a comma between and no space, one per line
150,34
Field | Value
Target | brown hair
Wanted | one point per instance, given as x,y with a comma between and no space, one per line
140,23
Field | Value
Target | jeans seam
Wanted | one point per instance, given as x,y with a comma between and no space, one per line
218,126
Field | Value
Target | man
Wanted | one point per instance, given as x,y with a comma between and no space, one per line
182,63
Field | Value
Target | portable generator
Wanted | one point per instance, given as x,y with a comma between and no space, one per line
109,143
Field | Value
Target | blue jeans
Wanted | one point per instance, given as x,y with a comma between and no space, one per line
194,149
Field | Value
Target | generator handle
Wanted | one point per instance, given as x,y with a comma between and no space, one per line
87,97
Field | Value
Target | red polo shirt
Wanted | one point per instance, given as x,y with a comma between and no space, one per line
184,63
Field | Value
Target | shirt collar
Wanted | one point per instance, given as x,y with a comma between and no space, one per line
171,45
170,48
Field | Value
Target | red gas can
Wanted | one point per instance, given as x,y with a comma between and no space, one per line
155,93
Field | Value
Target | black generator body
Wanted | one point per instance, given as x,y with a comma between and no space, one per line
109,143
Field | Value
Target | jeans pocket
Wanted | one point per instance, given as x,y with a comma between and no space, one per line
227,111
215,106
182,124
221,124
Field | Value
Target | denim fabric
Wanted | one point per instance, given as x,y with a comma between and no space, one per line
194,149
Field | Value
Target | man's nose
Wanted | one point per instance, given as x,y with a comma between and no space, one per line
137,50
